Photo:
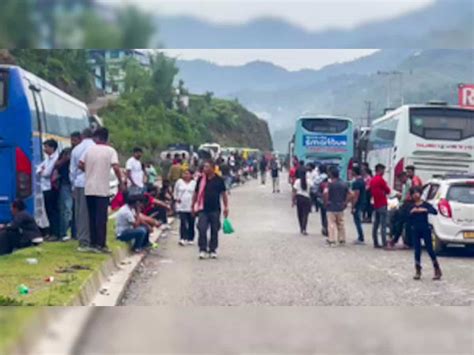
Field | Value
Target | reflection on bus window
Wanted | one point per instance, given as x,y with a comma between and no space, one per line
325,125
383,134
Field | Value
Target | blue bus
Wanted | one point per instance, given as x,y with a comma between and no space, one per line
31,111
325,140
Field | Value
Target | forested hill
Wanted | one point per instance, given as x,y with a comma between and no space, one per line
148,113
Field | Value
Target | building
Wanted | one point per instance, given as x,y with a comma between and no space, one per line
108,67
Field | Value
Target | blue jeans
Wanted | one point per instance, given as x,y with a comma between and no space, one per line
138,235
65,209
358,222
381,215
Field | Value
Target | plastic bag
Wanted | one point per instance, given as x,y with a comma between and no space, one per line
227,227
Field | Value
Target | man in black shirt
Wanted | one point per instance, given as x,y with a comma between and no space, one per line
20,232
210,188
358,202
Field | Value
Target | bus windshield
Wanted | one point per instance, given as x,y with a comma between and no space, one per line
3,89
442,123
325,125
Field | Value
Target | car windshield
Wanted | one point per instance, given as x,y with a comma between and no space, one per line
462,193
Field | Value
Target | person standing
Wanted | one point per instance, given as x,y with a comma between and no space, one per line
418,220
96,163
313,175
301,199
367,175
175,172
380,190
78,183
415,180
275,171
358,202
336,198
183,196
165,166
210,189
400,217
263,165
151,173
135,173
46,172
321,184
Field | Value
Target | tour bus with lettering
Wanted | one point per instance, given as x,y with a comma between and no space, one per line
31,111
324,139
435,138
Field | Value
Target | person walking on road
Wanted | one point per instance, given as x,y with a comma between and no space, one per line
418,220
380,191
135,173
183,196
275,171
96,163
263,165
301,199
336,198
78,183
358,202
210,189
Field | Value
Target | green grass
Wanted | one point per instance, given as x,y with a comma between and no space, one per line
53,258
13,323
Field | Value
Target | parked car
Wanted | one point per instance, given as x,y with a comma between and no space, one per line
453,196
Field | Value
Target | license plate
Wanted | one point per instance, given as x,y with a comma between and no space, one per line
469,235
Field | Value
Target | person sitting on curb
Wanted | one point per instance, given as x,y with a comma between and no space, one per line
131,226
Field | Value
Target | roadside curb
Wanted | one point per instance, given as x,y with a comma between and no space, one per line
51,331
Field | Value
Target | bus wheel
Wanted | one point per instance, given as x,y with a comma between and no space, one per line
438,245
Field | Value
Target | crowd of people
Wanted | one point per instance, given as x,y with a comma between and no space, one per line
367,196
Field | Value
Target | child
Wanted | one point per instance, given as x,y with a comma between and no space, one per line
418,221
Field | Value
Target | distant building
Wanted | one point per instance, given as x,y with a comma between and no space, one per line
107,66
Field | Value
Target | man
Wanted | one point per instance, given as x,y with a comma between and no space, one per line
313,175
415,180
131,227
275,171
151,173
135,173
379,190
165,166
78,183
263,170
175,172
400,218
336,198
210,189
319,185
97,162
20,232
48,186
358,202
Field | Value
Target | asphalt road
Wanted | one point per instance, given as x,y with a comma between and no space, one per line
267,263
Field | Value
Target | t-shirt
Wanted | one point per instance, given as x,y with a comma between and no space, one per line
212,193
359,185
77,176
165,167
27,226
136,171
174,173
419,220
184,192
299,190
379,190
63,170
98,160
337,196
125,219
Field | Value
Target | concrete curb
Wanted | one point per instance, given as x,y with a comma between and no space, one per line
51,331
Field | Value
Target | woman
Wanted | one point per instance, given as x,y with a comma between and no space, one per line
418,221
183,196
301,199
367,175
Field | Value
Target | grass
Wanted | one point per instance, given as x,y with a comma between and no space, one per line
13,323
69,268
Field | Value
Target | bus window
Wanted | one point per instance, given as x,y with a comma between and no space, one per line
442,124
383,134
322,125
3,90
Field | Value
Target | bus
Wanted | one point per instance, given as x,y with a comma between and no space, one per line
435,138
328,140
31,111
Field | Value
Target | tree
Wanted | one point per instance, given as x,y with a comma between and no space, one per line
163,72
17,26
136,28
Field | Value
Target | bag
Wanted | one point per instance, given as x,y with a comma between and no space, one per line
227,227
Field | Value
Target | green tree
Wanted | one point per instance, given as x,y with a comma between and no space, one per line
136,28
163,72
17,26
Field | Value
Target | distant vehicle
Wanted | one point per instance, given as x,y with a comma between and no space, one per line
31,111
453,196
325,140
214,149
437,139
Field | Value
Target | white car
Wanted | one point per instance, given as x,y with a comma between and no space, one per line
453,197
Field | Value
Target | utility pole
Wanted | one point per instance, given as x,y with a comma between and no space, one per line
368,104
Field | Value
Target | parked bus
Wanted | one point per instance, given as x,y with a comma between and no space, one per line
31,111
435,138
325,140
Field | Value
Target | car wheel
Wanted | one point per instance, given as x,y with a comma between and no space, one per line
438,245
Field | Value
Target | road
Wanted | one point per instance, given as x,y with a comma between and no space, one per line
267,263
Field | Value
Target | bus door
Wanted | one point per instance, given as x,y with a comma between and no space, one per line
7,182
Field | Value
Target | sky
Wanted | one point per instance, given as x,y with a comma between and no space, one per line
291,59
312,15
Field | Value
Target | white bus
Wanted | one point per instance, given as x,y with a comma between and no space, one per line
435,138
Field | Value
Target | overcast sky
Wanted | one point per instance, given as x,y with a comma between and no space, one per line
310,14
291,59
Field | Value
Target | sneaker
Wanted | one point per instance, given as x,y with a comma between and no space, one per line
359,242
202,255
182,242
213,255
84,249
304,233
190,242
342,243
104,250
65,238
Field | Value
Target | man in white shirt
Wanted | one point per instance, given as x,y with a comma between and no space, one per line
78,183
96,163
135,173
45,172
